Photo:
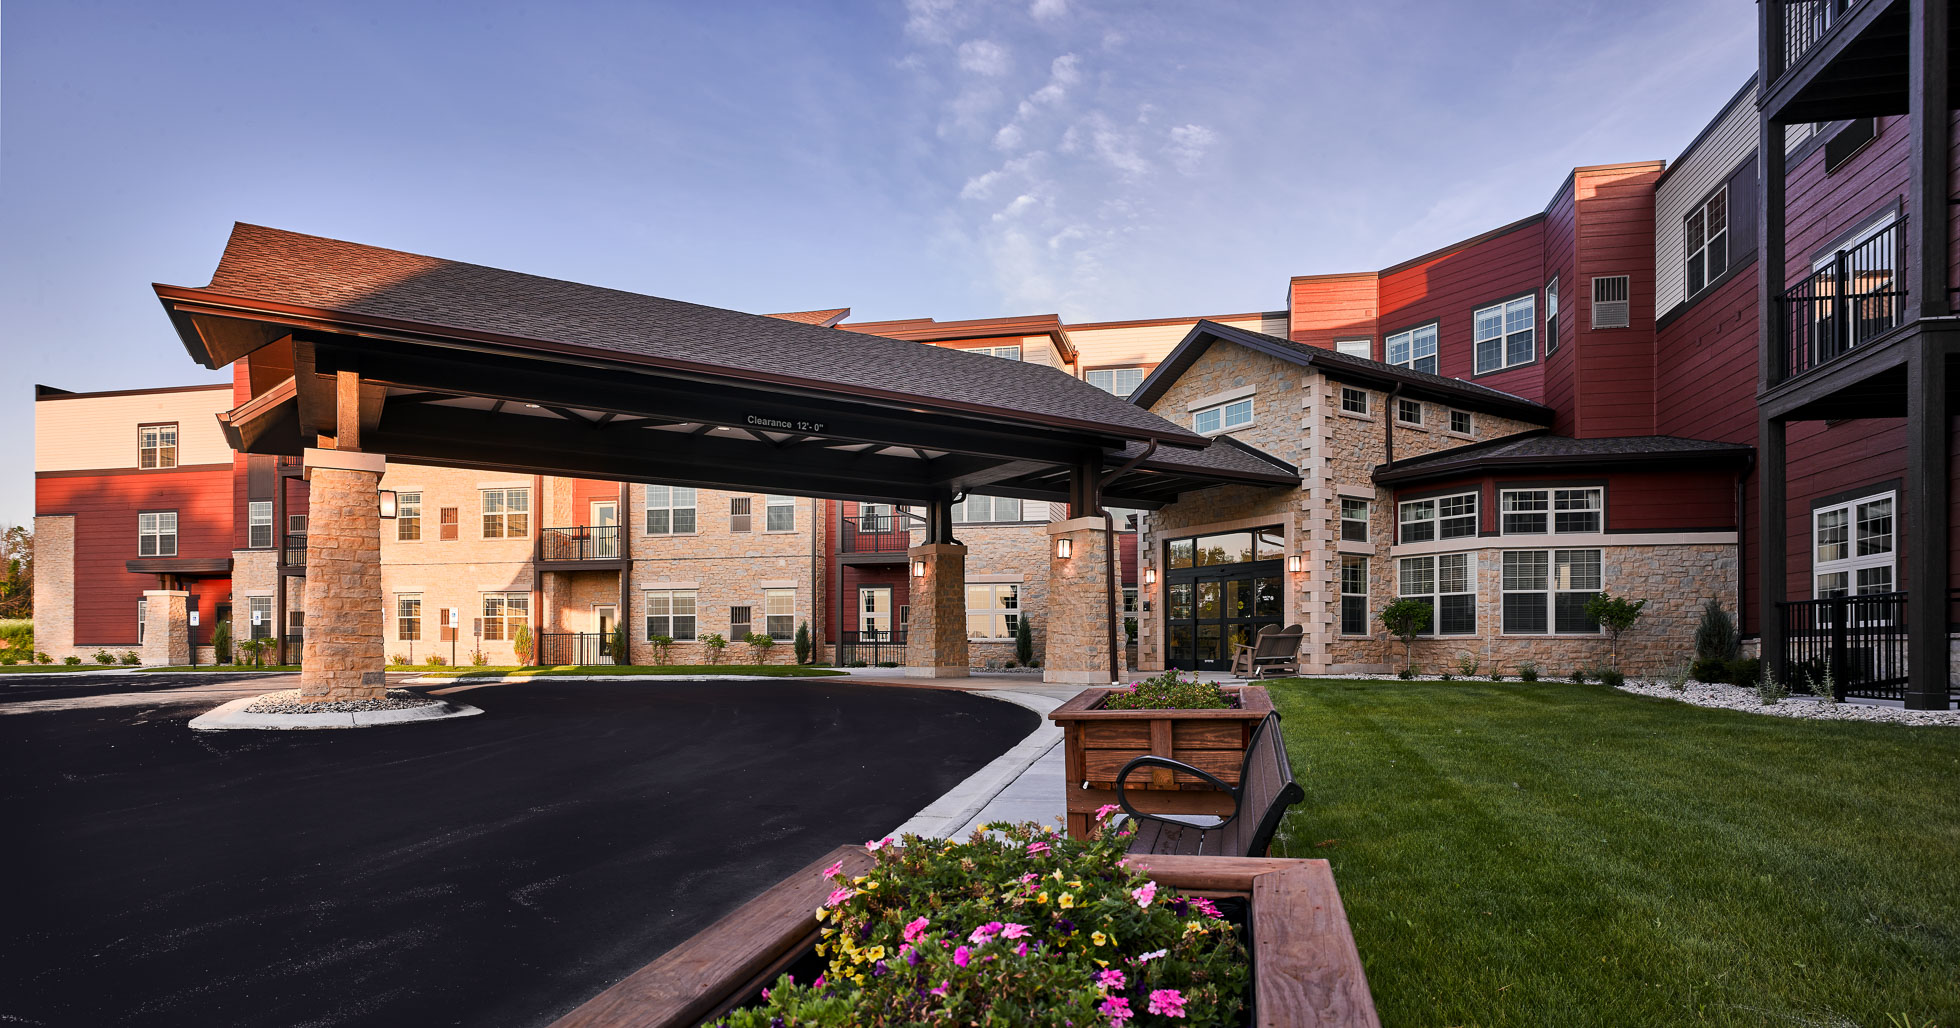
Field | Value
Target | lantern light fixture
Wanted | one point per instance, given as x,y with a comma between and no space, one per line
387,497
918,569
1064,547
1149,576
1293,563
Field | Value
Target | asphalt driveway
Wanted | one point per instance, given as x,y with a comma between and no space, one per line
493,870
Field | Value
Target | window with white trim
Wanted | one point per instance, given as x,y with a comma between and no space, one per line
1551,315
982,509
506,513
156,534
1356,347
1545,591
1354,519
258,617
779,610
670,612
1012,353
503,613
1460,422
1553,511
1414,349
1708,241
408,516
670,510
1224,417
156,446
142,618
408,616
258,524
1115,381
1408,412
1504,334
779,513
1354,594
1447,583
1442,517
1856,547
1354,401
992,611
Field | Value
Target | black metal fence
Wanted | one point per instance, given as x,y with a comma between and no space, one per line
871,647
295,551
1859,642
584,542
1807,23
295,645
575,648
880,533
1859,295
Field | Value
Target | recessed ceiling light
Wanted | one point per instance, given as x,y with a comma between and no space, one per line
533,406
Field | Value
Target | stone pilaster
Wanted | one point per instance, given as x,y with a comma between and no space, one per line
935,639
54,586
166,627
1078,604
343,648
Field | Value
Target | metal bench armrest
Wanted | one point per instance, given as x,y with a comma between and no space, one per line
1122,797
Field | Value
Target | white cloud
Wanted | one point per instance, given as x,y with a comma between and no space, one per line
1187,146
1116,148
984,57
1018,207
1008,138
979,187
1047,10
934,21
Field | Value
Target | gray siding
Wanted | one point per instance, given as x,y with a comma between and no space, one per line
1695,175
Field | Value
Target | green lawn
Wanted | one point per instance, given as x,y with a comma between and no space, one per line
675,670
42,669
269,668
1554,854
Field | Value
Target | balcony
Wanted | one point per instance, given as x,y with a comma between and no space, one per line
1856,646
1835,59
1849,303
592,547
292,557
878,538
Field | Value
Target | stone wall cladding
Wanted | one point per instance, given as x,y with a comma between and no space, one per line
166,628
453,572
1077,649
935,638
343,649
1007,550
54,585
256,573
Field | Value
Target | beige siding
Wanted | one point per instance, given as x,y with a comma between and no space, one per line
98,433
1695,175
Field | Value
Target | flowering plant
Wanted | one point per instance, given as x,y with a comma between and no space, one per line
1024,927
1172,690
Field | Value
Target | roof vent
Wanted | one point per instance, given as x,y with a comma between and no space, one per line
1609,302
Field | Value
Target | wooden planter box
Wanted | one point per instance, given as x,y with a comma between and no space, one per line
1097,743
1305,969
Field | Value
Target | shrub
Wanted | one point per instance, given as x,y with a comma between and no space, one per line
398,659
104,657
1172,690
71,660
715,644
1823,686
1407,674
1771,691
522,641
477,659
802,643
8,659
1711,670
436,660
1497,676
221,641
1468,664
1445,675
661,644
1023,640
1716,638
1578,676
889,663
858,663
1677,677
622,651
1405,619
42,658
1616,614
1527,671
130,658
759,644
1612,678
17,635
1745,671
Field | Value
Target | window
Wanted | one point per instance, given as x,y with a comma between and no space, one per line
1855,547
1445,517
992,611
670,612
156,534
503,613
142,619
1547,591
1708,241
258,524
1356,347
1408,412
295,524
670,510
1551,315
1504,334
741,621
446,529
1448,584
1539,511
1224,417
1012,353
1354,401
258,615
1354,594
1460,422
986,508
506,513
1268,543
1414,349
156,446
1116,381
295,624
1130,613
1610,305
779,513
408,616
738,514
408,516
779,606
1354,519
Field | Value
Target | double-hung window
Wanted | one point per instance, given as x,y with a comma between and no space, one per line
779,513
1708,241
408,616
670,612
1115,381
1444,517
258,612
503,613
779,610
1856,547
506,513
1447,583
408,515
992,611
1561,511
1354,594
1354,519
1546,591
156,446
670,510
1551,315
1224,417
1414,349
258,524
1504,334
156,534
1460,423
1408,412
980,509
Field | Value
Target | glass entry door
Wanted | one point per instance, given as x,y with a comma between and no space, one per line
1220,591
875,613
605,529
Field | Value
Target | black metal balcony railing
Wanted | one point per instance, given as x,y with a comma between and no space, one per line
880,533
558,648
1806,24
872,647
1856,643
585,542
1859,295
294,554
295,646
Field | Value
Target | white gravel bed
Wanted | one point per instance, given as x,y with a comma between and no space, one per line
287,701
1735,697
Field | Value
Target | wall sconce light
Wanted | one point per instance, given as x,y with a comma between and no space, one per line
1064,547
1149,576
387,504
1293,563
918,569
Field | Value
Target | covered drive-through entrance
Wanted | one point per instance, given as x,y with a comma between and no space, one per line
358,355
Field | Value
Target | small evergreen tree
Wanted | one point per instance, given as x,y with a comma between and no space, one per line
221,642
621,654
520,641
1405,619
803,643
1616,614
1716,638
1023,641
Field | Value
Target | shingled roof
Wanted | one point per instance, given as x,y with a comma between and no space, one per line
373,287
1544,450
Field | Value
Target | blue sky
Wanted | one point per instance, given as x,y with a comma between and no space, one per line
905,158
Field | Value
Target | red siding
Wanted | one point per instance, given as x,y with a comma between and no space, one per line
1636,501
1561,219
1323,308
105,507
1614,235
1450,287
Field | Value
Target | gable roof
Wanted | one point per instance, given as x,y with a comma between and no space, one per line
1542,450
1347,368
827,318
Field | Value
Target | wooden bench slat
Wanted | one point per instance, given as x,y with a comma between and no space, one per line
1306,968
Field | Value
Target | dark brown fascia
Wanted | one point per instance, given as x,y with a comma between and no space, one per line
925,330
42,392
1387,474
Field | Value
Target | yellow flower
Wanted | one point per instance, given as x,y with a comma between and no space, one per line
1057,875
828,932
1067,900
1041,897
1099,938
859,880
823,912
1102,963
870,885
1075,883
875,953
1193,928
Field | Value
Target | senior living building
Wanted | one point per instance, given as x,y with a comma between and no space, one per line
1721,378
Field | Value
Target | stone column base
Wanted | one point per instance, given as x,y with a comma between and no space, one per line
937,672
343,644
1057,676
166,627
935,639
1077,646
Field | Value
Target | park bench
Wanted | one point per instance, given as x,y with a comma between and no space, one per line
1264,791
1274,651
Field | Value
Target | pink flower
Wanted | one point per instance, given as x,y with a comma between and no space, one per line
940,989
1037,848
1144,958
962,955
818,984
877,844
1205,907
1021,950
1168,1002
1144,894
837,897
831,871
1112,979
916,928
1118,1009
1013,931
1106,809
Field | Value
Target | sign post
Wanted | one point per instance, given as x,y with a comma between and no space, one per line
455,629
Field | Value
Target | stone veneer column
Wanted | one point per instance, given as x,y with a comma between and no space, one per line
935,638
1078,605
166,627
54,586
343,659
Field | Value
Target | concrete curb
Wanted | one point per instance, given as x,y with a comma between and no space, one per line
949,813
232,715
517,679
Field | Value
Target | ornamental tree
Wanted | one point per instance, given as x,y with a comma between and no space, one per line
1405,619
1616,614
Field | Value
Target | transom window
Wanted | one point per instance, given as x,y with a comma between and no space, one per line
1226,548
156,446
1354,519
670,612
408,616
981,509
1012,353
1856,547
1355,347
1354,594
1708,241
1354,401
1504,334
1544,511
1414,349
779,608
779,513
503,613
506,513
156,534
1224,417
993,611
1447,582
1551,315
1546,591
408,516
1116,381
1443,517
258,524
670,510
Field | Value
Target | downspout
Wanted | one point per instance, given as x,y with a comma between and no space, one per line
537,577
819,516
1388,421
622,520
1109,556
